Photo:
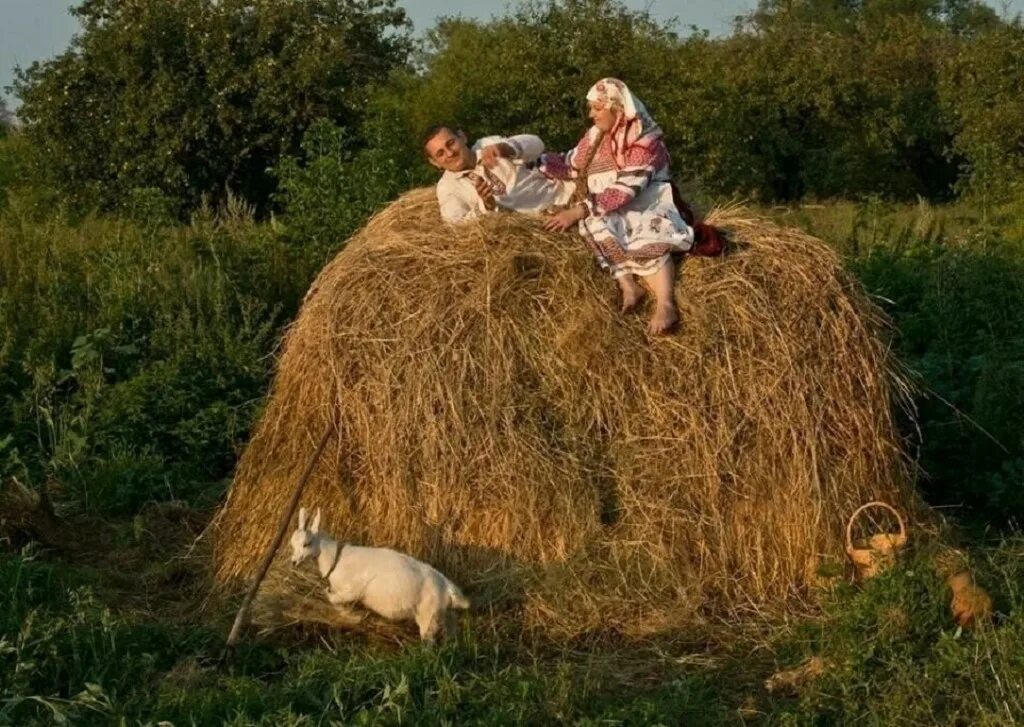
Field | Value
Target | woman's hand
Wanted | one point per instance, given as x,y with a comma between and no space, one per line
565,219
490,155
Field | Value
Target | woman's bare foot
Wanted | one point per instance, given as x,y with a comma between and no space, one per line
664,319
661,283
632,293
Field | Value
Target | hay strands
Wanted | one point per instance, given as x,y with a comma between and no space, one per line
282,528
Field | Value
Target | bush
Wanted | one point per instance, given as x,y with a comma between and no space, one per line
336,182
810,98
13,152
952,278
959,310
134,357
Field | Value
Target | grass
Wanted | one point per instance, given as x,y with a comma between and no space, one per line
67,652
135,356
78,642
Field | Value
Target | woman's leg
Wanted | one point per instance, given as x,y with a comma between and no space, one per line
662,284
632,292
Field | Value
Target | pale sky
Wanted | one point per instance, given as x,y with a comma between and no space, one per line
32,30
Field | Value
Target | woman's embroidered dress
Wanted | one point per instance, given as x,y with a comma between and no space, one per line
632,224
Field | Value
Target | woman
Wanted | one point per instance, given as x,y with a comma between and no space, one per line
627,216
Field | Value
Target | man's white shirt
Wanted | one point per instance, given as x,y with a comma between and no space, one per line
516,183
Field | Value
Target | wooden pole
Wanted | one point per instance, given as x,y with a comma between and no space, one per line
282,528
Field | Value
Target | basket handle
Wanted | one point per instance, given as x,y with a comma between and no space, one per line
862,508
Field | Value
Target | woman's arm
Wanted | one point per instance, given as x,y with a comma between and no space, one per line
566,166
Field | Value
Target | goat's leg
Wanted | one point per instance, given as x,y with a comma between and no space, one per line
430,612
340,594
430,624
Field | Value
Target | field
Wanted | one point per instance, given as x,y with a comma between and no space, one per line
145,411
174,181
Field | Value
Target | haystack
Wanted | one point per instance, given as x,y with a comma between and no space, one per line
498,417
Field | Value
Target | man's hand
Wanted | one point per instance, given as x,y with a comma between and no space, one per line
483,188
565,219
490,155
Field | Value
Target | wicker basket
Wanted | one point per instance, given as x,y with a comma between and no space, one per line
878,552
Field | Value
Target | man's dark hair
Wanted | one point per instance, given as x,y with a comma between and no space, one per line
436,129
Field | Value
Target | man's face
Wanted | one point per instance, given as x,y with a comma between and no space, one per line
448,150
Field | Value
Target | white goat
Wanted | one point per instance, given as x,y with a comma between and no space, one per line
389,583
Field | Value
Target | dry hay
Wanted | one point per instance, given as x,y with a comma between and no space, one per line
500,419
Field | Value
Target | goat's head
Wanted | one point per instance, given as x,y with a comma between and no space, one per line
306,542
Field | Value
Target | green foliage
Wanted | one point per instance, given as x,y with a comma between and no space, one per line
198,97
531,70
135,352
13,160
823,98
960,314
894,656
816,98
66,655
337,182
137,356
808,98
72,652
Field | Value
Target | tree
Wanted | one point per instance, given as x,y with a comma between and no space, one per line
982,90
196,97
808,97
530,71
832,98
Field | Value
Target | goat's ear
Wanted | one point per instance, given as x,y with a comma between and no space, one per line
315,528
302,518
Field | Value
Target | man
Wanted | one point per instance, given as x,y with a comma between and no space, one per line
496,173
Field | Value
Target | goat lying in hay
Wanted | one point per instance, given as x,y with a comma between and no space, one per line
499,418
390,584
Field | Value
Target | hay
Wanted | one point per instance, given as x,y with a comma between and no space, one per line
500,419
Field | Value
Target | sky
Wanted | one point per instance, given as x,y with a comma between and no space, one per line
32,30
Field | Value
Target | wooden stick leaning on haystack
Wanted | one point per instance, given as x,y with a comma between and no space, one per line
275,543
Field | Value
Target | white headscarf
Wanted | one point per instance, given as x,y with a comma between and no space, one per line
634,126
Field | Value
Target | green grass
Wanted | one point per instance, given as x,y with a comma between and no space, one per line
64,651
135,357
137,354
895,658
75,647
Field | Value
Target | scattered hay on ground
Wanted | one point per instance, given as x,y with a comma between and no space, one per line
500,419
